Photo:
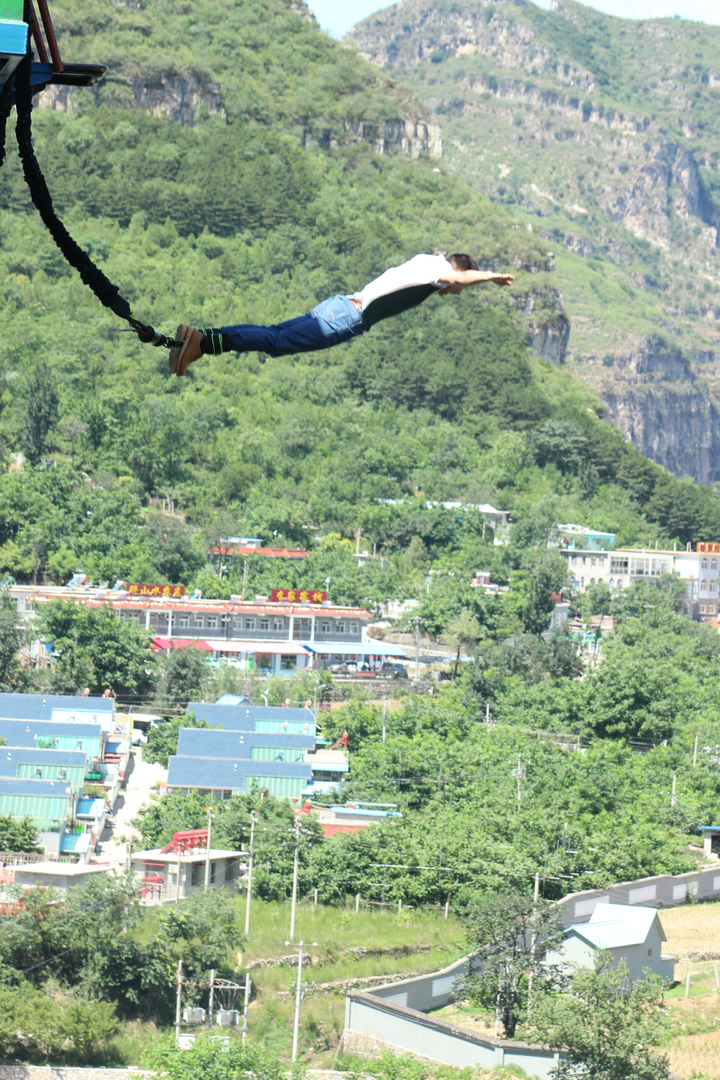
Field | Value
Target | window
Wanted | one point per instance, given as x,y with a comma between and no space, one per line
618,564
325,627
264,624
249,624
227,794
593,561
592,580
713,564
278,624
611,583
197,874
713,585
702,609
212,622
341,628
198,622
703,585
184,622
354,628
287,663
650,952
212,873
711,608
704,564
237,622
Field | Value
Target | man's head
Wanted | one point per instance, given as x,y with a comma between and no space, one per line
463,262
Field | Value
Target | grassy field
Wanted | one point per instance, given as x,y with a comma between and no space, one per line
694,1046
374,944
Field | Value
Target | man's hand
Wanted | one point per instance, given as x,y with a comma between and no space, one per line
458,280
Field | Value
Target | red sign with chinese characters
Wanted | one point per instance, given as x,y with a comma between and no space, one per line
159,592
297,596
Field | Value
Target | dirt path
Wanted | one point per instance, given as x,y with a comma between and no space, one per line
140,779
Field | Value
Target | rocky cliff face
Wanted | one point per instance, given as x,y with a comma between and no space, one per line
601,131
662,402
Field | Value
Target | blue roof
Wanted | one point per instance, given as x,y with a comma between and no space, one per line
355,648
226,773
199,742
23,732
244,717
78,842
233,699
12,756
41,706
90,806
613,926
11,785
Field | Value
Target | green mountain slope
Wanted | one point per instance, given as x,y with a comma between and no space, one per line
240,216
601,133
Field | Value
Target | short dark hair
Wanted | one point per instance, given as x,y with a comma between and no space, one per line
463,262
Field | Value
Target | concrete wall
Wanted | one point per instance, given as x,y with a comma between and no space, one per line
373,1024
393,1016
665,890
424,992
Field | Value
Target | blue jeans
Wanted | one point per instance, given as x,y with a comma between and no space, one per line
331,322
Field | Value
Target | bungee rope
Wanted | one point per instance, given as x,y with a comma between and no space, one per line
107,293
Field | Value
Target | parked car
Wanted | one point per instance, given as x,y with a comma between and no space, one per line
342,669
394,671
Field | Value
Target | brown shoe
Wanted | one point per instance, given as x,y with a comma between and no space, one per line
190,350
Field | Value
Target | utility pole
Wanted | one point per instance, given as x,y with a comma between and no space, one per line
248,984
207,850
250,870
295,883
673,797
212,996
298,998
178,1001
533,940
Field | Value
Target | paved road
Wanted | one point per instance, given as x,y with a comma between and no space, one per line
140,779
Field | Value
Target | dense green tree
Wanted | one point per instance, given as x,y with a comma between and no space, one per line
510,935
609,1030
13,636
18,834
94,648
40,413
183,677
162,737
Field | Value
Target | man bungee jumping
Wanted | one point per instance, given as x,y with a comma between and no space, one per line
339,318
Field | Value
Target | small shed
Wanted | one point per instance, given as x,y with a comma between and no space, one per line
634,934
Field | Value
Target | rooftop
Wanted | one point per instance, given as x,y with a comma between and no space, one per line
42,706
13,785
199,742
157,855
228,773
613,926
237,718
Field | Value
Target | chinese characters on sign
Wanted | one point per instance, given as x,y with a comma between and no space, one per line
160,591
297,596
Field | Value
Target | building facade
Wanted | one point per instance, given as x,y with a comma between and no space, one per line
276,638
621,567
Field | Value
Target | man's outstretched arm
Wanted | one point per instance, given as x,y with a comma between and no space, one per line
457,280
